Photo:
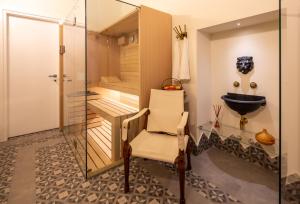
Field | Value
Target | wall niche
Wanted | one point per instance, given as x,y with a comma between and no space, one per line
219,47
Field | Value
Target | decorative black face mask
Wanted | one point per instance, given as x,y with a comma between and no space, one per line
245,64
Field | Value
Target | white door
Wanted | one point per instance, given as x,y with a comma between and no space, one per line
32,56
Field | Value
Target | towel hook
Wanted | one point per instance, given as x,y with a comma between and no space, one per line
180,34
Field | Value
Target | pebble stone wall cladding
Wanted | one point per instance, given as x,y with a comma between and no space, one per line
251,154
291,190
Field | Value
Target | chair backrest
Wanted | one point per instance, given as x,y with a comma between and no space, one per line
166,108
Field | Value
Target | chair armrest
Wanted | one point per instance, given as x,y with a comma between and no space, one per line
125,124
181,130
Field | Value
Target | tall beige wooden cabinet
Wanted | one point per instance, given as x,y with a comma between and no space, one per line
136,53
155,30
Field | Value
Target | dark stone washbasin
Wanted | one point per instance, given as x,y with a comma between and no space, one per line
242,103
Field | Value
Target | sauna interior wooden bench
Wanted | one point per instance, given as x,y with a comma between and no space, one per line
113,113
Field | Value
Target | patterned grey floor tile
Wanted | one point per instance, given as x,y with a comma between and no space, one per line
60,180
205,188
139,199
8,156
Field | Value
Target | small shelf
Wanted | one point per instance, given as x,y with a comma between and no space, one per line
245,138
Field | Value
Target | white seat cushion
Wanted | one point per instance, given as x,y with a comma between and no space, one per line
166,108
156,146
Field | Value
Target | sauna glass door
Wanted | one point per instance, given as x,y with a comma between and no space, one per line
74,73
112,76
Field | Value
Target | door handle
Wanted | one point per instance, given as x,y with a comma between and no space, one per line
53,76
67,78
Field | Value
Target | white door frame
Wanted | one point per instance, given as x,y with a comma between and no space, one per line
4,84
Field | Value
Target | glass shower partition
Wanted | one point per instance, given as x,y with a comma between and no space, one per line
74,75
77,117
112,56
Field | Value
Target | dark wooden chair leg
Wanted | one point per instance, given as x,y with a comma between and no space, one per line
188,154
181,172
126,156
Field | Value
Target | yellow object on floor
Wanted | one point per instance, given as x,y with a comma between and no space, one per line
265,138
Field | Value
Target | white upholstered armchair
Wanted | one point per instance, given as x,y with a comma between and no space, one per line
164,137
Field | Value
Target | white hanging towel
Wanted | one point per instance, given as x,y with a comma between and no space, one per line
176,61
181,67
184,62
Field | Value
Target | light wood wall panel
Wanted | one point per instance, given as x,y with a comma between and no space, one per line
114,57
129,58
108,55
156,50
94,61
130,63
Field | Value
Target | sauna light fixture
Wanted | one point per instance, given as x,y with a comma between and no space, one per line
238,24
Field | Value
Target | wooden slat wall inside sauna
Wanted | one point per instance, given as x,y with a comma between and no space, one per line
130,64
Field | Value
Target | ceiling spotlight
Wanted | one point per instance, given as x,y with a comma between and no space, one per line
238,24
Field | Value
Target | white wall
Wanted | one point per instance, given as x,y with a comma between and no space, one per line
52,8
262,43
103,13
203,87
290,87
209,12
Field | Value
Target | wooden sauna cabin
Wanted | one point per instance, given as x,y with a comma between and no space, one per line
125,61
